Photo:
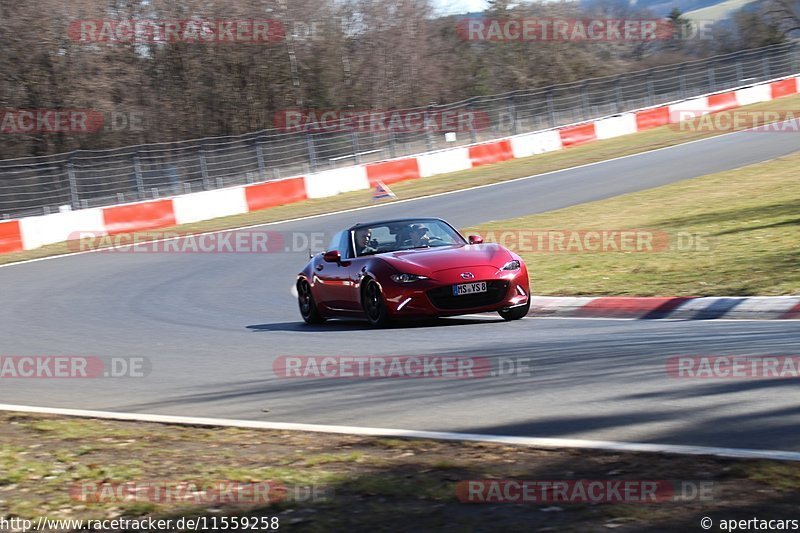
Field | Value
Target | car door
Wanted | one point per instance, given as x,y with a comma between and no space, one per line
356,266
333,279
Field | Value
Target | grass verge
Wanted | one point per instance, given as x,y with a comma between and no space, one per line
735,233
362,483
517,168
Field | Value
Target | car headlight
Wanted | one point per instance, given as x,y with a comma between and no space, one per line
406,278
511,265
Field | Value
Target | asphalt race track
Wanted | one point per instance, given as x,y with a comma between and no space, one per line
212,324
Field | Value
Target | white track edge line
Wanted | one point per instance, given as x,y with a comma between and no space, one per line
539,442
373,206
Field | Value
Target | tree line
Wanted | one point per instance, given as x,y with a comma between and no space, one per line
332,54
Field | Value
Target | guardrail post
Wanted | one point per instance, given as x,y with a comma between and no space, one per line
683,85
204,168
585,101
428,136
356,149
137,170
712,82
73,186
392,147
551,114
473,134
262,169
765,64
739,72
312,155
512,113
618,94
651,94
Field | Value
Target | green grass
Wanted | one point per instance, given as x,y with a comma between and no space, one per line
325,458
748,221
781,477
517,168
394,486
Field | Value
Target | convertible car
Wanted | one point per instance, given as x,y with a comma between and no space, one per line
411,268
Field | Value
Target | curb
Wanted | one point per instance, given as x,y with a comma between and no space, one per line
680,308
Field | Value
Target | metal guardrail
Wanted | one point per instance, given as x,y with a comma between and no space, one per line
81,179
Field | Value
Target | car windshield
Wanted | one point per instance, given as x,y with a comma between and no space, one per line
403,235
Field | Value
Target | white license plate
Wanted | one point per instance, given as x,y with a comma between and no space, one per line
469,288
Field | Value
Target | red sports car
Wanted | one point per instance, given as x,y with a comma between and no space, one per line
411,268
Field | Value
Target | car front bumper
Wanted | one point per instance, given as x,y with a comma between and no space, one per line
433,297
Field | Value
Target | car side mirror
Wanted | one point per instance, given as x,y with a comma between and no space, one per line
332,257
475,239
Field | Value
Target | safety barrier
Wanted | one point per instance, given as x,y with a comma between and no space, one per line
33,232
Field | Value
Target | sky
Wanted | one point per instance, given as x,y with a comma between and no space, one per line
460,6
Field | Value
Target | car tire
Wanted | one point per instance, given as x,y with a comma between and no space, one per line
374,305
515,313
308,307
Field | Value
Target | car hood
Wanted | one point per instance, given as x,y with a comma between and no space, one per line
431,260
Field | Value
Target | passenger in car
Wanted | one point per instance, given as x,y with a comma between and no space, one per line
364,243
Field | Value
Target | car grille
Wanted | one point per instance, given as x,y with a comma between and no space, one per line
442,297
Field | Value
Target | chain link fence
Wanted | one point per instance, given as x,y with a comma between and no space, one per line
82,179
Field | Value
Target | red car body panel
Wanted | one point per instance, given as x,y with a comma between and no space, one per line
337,287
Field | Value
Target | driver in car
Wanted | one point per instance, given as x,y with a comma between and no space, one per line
417,236
364,243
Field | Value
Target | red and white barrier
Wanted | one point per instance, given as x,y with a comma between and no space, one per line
275,193
59,227
10,237
616,126
393,171
652,118
784,88
539,142
141,216
722,101
490,153
580,134
336,181
33,232
205,205
444,162
754,95
694,107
